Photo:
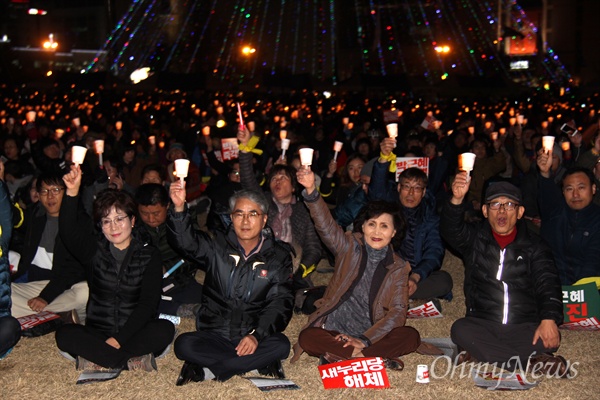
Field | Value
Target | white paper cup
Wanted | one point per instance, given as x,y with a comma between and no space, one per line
76,122
30,116
152,140
181,167
392,130
118,125
345,120
566,146
494,135
422,374
59,133
337,146
282,134
547,143
206,130
99,146
78,154
285,144
466,161
520,119
512,121
437,124
471,130
306,156
251,125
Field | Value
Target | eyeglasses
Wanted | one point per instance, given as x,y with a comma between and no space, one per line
408,188
508,206
239,216
118,221
45,192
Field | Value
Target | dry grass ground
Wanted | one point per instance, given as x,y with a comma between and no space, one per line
35,370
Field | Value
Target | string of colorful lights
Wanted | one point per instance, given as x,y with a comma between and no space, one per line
386,37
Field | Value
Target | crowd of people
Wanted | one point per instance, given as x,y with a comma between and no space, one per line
111,243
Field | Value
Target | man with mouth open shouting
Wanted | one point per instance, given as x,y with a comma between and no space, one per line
512,288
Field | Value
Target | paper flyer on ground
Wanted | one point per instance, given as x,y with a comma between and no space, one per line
427,310
503,381
268,384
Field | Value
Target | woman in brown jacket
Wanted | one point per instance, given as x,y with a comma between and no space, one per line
363,311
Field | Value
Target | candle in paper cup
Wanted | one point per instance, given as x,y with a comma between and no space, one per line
566,146
59,133
206,130
251,126
466,161
78,154
547,143
494,135
502,131
118,125
30,116
550,119
152,140
282,134
512,121
544,124
181,167
392,130
306,156
345,120
422,373
520,119
99,146
285,144
337,147
471,130
437,124
76,122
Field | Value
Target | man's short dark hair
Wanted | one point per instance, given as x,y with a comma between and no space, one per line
575,170
150,194
152,167
413,173
50,179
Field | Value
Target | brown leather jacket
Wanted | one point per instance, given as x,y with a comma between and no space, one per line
388,305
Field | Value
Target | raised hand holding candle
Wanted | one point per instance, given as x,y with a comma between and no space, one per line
99,146
547,143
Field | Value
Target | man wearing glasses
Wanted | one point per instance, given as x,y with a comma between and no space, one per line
422,247
48,277
247,297
512,290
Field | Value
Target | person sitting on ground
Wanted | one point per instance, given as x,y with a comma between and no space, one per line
363,310
512,289
125,280
49,278
153,202
247,297
422,247
10,330
571,222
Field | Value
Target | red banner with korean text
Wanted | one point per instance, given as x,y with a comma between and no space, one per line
366,373
581,307
229,149
403,163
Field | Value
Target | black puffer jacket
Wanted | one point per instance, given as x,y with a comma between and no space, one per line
239,297
122,300
511,286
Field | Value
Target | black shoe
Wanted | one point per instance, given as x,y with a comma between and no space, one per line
190,373
275,369
394,364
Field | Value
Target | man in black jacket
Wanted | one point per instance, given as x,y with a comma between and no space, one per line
50,279
512,289
247,296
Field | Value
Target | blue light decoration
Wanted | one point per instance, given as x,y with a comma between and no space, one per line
385,37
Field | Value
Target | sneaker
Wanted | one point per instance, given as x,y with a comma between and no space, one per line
142,363
81,364
549,365
190,372
395,364
275,369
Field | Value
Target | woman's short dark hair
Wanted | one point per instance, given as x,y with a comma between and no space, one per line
288,170
109,198
374,209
